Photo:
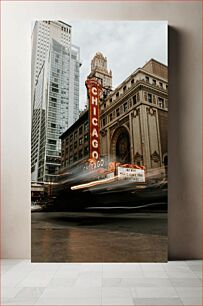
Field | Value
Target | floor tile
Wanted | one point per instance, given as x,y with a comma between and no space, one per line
113,282
61,282
146,292
155,274
73,292
178,274
9,292
117,301
193,262
189,291
185,282
116,292
88,282
153,267
28,292
177,268
157,301
22,301
122,274
193,301
69,301
147,282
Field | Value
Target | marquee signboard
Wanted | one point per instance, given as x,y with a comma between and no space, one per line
137,175
93,90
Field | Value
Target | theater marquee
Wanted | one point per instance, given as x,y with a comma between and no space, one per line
93,90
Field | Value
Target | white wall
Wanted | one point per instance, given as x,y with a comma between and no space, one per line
184,116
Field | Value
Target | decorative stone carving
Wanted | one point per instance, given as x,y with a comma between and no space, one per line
135,113
138,157
155,157
103,132
150,111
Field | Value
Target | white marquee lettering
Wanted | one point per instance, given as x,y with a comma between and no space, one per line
94,111
94,100
95,154
94,133
94,90
95,143
95,121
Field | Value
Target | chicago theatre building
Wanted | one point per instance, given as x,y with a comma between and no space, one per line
133,119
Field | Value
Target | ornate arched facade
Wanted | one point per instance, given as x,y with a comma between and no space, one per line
120,145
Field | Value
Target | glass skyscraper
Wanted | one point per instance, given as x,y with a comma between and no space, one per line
55,108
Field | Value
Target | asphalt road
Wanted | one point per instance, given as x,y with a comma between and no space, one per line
99,236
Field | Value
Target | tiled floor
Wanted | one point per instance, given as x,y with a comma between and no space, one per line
172,283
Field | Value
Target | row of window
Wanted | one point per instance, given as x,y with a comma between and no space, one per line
155,82
122,109
155,100
147,79
78,132
77,156
80,142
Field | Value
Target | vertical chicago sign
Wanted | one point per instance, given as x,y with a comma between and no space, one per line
93,91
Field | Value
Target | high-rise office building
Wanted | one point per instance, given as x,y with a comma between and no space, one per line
42,35
55,98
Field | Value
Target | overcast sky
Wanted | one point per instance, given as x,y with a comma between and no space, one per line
126,44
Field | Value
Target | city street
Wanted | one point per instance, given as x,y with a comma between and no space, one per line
99,236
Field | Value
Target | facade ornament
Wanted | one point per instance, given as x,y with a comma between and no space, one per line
155,156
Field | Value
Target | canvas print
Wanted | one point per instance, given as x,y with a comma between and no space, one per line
99,156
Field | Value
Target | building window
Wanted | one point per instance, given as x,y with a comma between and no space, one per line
71,160
80,141
71,147
80,154
86,150
138,97
54,89
111,100
71,137
154,82
117,112
86,137
117,94
75,156
134,99
75,144
125,107
149,98
51,141
75,134
54,85
161,84
86,126
132,81
124,88
80,130
147,79
103,121
161,102
110,117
